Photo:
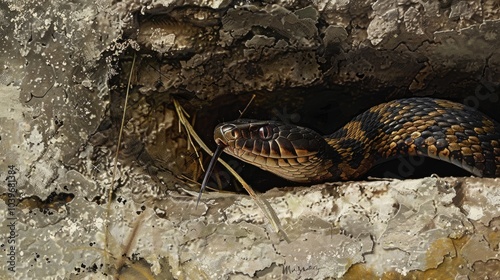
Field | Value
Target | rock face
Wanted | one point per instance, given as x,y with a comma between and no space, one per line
65,72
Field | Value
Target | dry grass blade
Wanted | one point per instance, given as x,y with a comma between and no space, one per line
265,207
126,253
115,162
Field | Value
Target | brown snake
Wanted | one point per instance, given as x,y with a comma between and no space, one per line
421,126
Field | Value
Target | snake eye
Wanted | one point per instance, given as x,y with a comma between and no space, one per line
265,133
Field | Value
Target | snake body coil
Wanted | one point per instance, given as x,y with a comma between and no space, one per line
429,127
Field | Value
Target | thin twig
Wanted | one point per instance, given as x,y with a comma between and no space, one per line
246,107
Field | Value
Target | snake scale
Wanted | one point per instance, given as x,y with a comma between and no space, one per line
422,126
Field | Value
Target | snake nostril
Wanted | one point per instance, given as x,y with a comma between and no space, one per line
226,132
230,131
234,133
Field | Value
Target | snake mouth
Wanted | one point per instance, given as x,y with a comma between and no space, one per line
220,142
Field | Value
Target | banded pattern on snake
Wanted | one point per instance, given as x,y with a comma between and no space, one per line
422,126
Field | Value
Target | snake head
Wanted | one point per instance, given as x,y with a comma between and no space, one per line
280,148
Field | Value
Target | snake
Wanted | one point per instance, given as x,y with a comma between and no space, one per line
417,126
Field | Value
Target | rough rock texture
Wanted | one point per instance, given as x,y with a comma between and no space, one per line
63,82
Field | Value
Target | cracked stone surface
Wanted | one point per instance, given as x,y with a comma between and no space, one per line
63,80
